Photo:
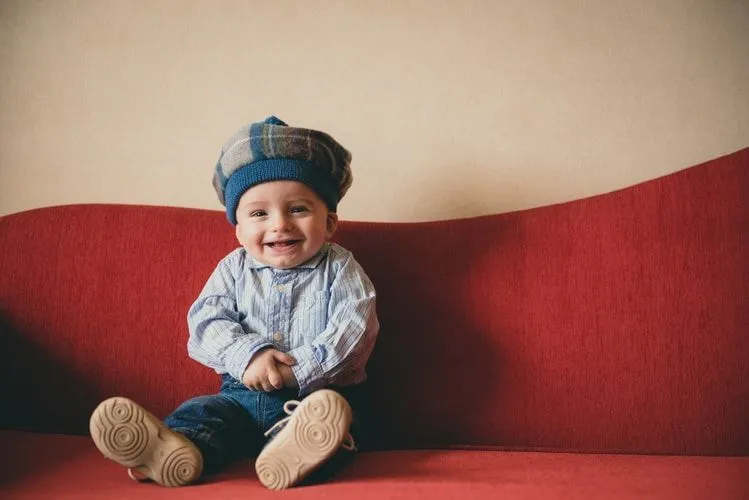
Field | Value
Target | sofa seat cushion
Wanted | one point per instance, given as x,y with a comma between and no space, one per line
59,466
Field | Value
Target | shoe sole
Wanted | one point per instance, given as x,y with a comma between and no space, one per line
128,434
313,434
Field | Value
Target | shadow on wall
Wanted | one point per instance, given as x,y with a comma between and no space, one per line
465,191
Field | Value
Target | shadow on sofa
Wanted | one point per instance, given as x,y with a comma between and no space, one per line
64,392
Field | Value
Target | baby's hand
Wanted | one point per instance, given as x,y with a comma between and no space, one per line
262,374
287,374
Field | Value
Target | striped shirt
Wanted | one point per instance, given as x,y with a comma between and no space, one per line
322,313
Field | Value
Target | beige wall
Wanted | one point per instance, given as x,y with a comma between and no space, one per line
451,108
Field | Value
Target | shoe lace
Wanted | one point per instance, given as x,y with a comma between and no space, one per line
288,407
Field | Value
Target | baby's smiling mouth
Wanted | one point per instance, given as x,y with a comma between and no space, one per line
282,244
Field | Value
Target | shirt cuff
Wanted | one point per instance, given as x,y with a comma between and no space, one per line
307,370
240,353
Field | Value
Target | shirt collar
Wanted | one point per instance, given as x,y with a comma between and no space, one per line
312,263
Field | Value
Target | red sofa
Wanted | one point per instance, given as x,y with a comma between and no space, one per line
592,349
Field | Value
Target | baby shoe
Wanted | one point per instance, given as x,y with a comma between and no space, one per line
314,431
131,436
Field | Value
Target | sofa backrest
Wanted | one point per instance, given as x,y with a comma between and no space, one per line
618,323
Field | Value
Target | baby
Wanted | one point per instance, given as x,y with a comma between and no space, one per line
287,316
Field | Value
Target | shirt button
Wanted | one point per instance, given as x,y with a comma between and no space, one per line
278,336
281,288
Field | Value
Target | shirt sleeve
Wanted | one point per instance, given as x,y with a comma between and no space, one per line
348,339
217,338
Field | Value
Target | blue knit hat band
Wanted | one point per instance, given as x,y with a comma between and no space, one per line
278,169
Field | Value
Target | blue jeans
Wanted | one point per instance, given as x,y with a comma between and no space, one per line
230,424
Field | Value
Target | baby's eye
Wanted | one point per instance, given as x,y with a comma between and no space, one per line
258,213
298,209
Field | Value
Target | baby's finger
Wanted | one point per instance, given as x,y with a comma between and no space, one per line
266,385
274,378
284,358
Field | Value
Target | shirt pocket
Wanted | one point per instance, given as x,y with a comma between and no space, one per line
314,300
311,313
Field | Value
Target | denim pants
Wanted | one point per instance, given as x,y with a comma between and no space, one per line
231,424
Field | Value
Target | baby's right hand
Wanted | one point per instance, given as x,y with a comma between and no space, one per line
261,374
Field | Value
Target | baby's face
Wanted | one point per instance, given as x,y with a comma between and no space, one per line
283,223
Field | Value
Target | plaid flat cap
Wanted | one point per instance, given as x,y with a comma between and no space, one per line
270,151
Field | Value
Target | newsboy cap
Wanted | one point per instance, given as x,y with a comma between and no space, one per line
270,151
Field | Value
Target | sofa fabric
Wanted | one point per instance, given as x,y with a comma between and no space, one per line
70,467
616,324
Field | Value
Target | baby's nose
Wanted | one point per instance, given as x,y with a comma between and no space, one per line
281,223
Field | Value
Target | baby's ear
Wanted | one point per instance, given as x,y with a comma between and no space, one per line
331,224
